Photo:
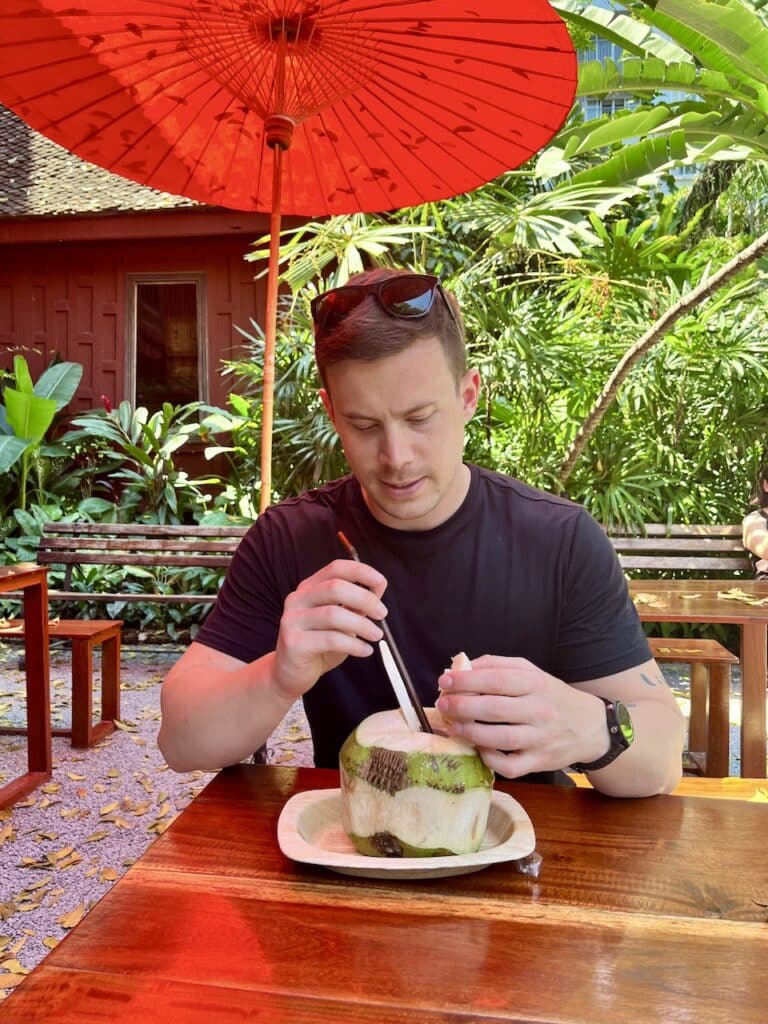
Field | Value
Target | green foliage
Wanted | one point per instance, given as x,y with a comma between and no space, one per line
28,412
305,447
706,58
143,482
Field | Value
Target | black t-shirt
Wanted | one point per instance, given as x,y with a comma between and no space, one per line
514,572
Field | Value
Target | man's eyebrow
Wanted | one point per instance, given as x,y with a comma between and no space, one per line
352,415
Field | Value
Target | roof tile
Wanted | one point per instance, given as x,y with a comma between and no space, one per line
38,178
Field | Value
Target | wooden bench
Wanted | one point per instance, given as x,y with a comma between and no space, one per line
698,551
687,549
130,544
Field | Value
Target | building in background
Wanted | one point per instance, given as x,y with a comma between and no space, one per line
142,288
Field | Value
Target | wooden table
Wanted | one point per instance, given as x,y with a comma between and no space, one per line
643,910
32,580
674,601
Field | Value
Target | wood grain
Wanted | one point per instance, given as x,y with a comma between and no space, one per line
642,910
663,855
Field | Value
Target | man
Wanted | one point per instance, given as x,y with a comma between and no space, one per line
456,557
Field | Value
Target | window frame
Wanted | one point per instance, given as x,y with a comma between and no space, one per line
199,280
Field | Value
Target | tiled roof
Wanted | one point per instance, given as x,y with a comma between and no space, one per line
39,178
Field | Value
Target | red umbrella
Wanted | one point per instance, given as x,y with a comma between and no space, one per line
306,107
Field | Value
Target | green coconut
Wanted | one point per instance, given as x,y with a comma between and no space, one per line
412,794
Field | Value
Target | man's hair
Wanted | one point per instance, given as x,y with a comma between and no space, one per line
369,333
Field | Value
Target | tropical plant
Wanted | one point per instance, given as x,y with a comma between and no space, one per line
26,415
698,72
305,445
142,479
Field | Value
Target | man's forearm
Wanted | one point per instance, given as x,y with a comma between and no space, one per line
654,762
214,717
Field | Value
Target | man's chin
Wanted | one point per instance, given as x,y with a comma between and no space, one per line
403,513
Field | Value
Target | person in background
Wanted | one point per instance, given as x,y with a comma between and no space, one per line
458,558
754,528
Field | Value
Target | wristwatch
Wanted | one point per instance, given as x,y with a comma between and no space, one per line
620,731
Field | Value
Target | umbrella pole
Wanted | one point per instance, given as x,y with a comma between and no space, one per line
278,133
270,331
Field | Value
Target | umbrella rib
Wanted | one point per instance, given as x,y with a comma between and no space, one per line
387,153
416,92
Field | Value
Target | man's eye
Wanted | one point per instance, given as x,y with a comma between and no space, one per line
364,429
420,419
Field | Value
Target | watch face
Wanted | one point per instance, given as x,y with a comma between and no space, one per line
625,722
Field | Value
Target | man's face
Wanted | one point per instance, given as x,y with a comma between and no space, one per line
401,422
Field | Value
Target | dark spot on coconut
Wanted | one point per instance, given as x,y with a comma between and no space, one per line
386,769
457,787
387,844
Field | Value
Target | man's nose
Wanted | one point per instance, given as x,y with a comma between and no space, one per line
395,448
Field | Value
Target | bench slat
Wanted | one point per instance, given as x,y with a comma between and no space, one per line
678,530
199,561
144,530
54,545
684,564
663,544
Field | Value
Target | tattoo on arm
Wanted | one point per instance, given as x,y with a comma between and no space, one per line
651,682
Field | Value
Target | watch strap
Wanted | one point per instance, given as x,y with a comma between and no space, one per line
619,742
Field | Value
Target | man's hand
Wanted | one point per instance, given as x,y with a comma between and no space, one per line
328,617
522,719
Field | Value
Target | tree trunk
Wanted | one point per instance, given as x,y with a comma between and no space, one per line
647,341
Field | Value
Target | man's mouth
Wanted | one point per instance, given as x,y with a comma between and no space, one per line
402,488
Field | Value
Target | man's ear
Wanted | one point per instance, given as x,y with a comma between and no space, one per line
325,398
469,389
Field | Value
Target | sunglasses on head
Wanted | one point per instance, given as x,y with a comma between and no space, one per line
406,296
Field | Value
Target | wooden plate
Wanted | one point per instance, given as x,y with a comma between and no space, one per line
309,830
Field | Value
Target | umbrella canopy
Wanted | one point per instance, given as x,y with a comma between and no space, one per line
306,107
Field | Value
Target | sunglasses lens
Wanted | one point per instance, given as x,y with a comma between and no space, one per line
408,297
330,309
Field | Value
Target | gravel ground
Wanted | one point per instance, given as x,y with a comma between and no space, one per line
66,844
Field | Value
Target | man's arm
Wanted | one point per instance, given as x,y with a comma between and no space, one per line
217,710
524,720
654,761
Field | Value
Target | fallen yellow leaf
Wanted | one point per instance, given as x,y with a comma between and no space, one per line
72,917
15,967
11,980
124,726
94,837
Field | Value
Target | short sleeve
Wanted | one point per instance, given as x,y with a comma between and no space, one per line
600,631
245,620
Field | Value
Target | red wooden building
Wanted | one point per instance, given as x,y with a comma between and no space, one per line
143,288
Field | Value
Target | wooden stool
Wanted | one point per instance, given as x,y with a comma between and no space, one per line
85,635
709,723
